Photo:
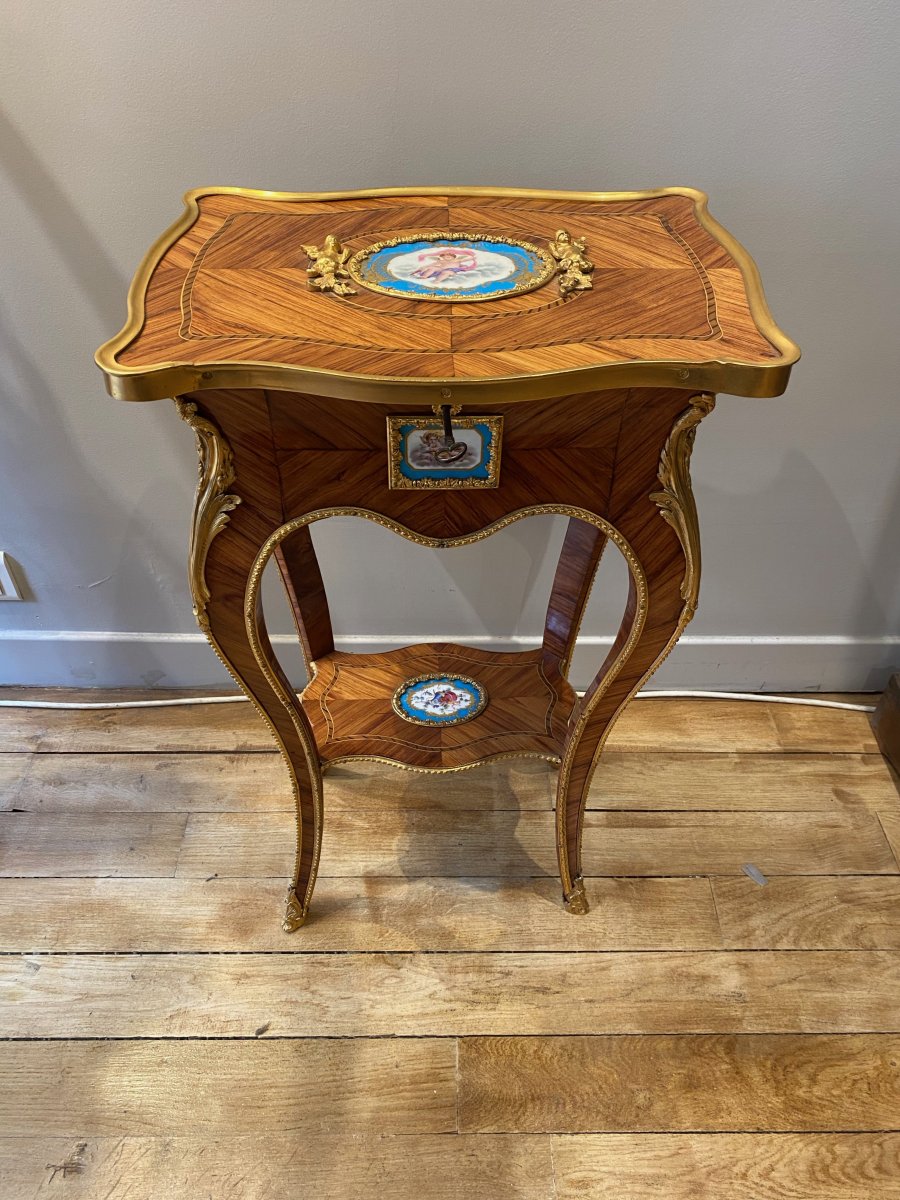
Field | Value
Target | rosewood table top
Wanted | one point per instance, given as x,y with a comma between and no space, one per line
221,301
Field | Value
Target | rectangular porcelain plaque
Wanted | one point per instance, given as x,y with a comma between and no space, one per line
419,456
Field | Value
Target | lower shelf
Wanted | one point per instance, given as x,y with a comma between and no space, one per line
349,704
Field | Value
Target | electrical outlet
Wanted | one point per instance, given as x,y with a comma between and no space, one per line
9,588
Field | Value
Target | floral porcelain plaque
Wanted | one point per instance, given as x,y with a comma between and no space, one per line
439,699
451,266
421,455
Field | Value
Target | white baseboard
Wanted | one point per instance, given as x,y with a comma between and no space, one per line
73,658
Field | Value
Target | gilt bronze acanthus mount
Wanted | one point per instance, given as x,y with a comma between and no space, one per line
327,269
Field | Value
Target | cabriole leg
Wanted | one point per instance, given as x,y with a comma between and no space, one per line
302,579
225,538
578,562
663,540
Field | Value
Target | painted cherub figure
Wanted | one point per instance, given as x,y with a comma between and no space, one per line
327,270
574,269
444,263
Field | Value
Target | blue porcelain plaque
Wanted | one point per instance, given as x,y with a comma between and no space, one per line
453,266
439,699
419,454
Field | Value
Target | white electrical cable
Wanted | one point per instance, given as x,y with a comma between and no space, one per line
65,704
759,697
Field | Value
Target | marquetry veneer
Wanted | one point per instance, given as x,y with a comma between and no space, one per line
288,377
349,707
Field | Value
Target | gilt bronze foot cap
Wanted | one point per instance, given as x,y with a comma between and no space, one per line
294,914
576,901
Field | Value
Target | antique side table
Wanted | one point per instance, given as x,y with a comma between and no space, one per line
444,363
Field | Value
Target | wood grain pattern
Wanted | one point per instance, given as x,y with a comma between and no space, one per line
605,1084
890,823
225,727
332,454
824,730
663,288
716,726
353,914
720,844
266,1166
302,579
814,913
91,782
222,782
527,712
559,1024
761,1166
11,771
91,844
583,546
679,1166
523,844
742,781
218,781
110,1089
418,842
446,995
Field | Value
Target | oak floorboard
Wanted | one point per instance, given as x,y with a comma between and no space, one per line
678,1003
756,1166
463,994
713,726
722,843
353,914
829,912
523,844
272,1166
890,823
212,1088
233,727
829,730
749,1166
93,844
418,842
708,726
12,768
742,782
222,782
678,1084
727,726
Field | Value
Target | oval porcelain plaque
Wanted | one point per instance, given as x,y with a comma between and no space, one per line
439,699
451,266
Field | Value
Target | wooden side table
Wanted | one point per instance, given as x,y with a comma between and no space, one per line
443,364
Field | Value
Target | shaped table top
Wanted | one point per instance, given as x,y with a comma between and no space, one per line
408,295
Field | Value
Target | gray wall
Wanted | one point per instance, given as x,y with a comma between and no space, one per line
785,111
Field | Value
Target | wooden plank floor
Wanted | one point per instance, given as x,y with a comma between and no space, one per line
441,1028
